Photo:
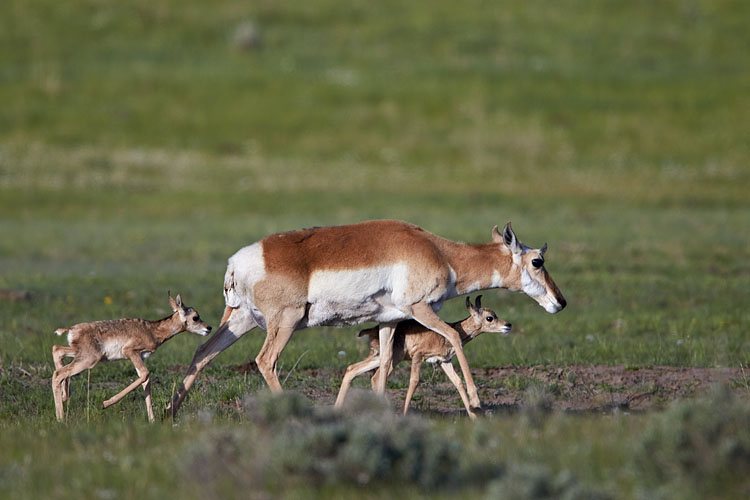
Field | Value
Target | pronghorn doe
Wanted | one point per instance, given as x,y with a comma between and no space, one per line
384,271
133,339
414,342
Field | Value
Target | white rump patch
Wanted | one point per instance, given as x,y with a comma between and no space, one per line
244,269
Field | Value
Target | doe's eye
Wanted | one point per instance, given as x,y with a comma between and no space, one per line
196,318
537,263
489,319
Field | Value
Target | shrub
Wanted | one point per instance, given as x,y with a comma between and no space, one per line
697,447
289,441
367,442
531,481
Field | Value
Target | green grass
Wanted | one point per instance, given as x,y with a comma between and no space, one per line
140,147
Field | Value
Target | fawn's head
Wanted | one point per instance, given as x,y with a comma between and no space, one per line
528,274
191,320
485,320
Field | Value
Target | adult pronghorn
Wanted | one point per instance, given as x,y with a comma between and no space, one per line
383,271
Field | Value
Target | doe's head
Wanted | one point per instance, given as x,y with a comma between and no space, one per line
528,273
485,320
191,320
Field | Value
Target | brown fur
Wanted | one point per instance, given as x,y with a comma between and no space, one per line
268,284
132,339
414,342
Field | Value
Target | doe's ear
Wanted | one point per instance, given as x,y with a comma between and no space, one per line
496,236
509,237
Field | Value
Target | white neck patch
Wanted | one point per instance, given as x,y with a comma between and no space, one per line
531,287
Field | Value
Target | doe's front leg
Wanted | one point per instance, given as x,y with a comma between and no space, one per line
386,333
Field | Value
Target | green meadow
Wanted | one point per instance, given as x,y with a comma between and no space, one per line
143,143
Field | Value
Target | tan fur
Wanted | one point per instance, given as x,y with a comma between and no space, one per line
289,281
132,339
414,342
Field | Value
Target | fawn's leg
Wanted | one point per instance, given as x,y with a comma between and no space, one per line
142,379
147,391
354,371
416,365
424,314
60,377
453,376
58,353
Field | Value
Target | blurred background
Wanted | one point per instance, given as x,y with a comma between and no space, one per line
144,142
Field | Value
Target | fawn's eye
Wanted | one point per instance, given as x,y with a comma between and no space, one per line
489,319
537,263
196,318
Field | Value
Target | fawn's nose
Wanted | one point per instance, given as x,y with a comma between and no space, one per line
509,325
208,328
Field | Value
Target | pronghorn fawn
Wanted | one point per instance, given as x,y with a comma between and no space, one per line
383,271
414,342
133,339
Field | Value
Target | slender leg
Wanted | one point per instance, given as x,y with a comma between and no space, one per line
147,391
374,381
277,336
142,379
424,314
386,332
453,376
416,365
354,371
240,321
60,376
58,353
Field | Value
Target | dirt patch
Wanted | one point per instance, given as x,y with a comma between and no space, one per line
570,388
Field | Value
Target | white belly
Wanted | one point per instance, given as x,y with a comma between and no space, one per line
112,350
356,296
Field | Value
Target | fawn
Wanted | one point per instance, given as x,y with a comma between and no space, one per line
110,340
418,343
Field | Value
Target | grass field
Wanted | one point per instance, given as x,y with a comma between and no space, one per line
141,145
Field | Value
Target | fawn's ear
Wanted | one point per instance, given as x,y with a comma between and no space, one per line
176,304
474,310
476,306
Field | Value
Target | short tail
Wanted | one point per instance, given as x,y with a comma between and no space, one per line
62,331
